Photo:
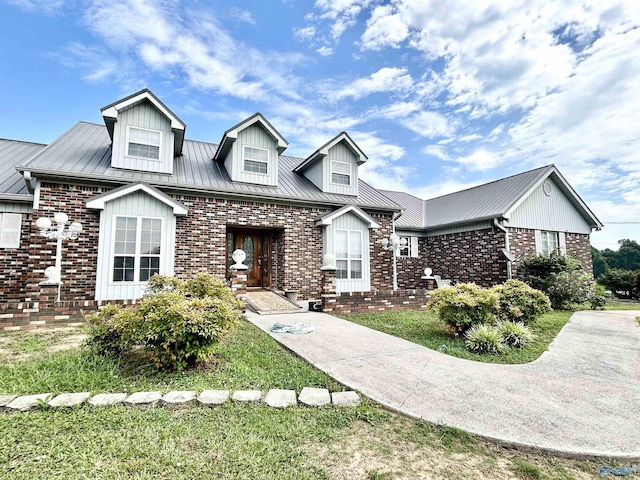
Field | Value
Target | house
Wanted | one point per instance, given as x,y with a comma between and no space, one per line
483,234
150,200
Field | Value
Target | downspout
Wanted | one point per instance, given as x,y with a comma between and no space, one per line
498,225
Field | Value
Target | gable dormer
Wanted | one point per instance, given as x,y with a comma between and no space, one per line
250,151
145,134
333,168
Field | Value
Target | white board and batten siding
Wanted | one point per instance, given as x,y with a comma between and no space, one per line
142,115
352,222
550,211
137,204
253,136
340,153
466,227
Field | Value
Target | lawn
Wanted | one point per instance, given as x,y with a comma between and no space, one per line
424,328
232,441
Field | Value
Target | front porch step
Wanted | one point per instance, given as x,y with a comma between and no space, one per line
266,302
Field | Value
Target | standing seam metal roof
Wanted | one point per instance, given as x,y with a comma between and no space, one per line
12,153
84,152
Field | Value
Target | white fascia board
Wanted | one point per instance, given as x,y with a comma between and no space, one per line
329,218
112,112
282,144
98,202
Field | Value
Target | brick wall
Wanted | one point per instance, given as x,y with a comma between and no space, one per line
200,244
474,256
411,269
379,301
523,245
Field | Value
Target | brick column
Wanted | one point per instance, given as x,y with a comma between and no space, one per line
239,284
329,295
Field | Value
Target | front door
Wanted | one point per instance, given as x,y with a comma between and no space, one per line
256,245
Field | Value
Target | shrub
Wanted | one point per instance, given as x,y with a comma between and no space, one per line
464,305
515,334
519,302
482,338
177,323
568,288
620,281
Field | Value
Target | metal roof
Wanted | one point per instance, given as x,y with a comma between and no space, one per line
495,199
13,152
84,153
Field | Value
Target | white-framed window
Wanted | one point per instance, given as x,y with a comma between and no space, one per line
255,160
136,248
143,143
549,242
348,251
408,246
10,226
340,173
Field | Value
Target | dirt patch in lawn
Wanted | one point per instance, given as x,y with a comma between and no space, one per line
28,343
395,451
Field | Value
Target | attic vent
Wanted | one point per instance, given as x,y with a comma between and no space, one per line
547,188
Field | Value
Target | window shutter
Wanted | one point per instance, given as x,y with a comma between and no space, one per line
538,237
562,243
414,247
10,224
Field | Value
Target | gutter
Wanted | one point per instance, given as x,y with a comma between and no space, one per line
189,190
505,250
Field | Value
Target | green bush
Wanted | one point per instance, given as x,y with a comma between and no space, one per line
568,288
515,334
464,305
483,338
621,282
177,322
520,302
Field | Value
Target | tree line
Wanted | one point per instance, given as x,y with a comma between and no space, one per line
619,270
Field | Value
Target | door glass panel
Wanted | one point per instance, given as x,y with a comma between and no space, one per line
248,249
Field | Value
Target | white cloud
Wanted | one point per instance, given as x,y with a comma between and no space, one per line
437,151
48,7
325,51
384,80
428,124
242,15
304,33
479,160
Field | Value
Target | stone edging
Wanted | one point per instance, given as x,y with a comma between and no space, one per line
275,398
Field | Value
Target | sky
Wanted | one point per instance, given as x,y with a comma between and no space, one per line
441,96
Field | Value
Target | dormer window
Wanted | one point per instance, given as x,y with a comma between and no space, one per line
143,143
340,173
255,160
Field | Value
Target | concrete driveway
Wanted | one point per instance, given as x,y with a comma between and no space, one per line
581,397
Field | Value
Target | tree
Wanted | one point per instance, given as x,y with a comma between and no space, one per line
626,257
599,262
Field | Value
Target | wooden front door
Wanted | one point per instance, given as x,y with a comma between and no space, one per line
257,246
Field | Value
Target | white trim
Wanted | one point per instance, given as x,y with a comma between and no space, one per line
330,217
562,243
244,157
113,111
348,258
99,201
139,157
5,219
136,256
350,174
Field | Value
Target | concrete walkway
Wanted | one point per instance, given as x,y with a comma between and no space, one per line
581,397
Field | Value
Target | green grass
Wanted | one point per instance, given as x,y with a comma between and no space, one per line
244,359
613,304
424,328
231,441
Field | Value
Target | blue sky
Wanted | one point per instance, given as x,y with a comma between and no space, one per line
440,95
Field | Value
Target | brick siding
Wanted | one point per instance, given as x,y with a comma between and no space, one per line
379,301
474,256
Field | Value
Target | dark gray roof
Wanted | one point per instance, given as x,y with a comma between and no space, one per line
12,153
495,199
84,153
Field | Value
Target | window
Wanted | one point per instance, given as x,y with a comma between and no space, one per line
405,247
549,243
348,251
256,160
341,173
143,143
136,248
10,225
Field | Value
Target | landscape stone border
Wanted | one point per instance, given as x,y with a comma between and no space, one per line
275,398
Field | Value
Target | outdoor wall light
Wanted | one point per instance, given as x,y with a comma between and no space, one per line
56,230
